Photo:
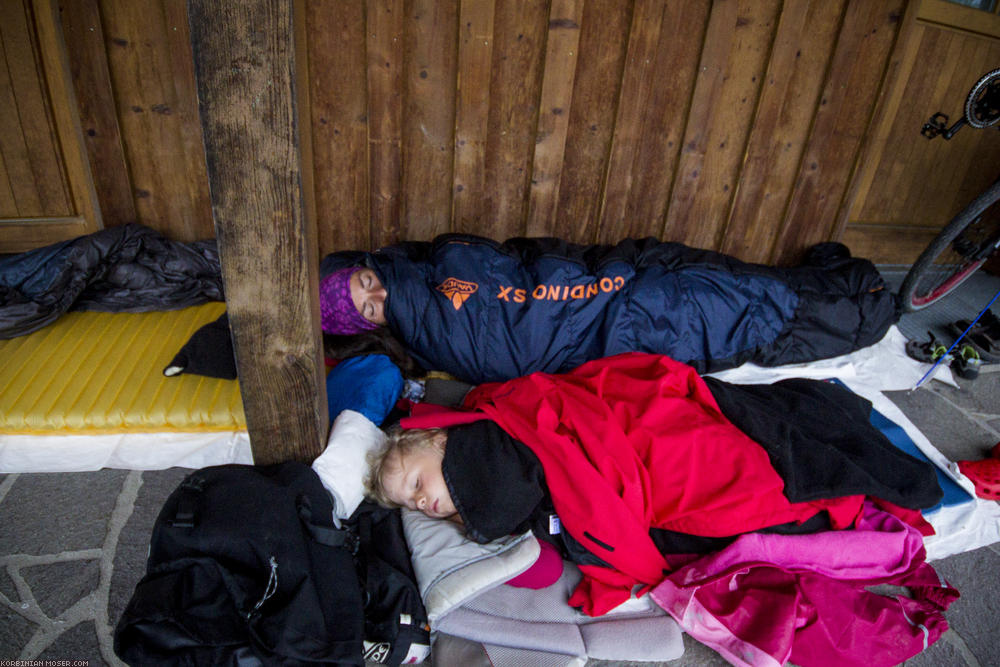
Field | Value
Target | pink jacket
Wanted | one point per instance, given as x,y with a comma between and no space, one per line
767,599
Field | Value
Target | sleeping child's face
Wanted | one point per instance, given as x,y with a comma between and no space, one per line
414,480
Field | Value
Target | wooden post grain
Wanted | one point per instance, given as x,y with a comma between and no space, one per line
250,97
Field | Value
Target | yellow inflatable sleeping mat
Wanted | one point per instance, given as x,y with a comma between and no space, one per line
92,372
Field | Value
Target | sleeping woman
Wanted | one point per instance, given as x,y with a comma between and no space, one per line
638,457
487,311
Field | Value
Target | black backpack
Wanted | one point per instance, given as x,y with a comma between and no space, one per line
246,567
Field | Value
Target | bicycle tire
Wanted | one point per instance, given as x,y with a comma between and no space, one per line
910,300
970,115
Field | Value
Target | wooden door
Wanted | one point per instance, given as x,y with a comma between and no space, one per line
46,190
908,187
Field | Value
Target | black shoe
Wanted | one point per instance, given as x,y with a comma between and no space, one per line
991,323
928,352
979,337
966,363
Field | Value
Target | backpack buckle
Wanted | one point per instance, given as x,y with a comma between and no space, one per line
184,516
352,542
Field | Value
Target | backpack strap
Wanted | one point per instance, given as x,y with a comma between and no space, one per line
326,535
185,514
410,632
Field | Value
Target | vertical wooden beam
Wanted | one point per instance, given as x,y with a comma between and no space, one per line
246,65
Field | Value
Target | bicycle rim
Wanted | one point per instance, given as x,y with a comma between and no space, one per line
955,254
934,293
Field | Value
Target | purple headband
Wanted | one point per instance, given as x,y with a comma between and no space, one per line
336,307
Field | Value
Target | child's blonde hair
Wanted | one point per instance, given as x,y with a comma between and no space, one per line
385,460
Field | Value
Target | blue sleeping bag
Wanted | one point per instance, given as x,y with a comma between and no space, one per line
487,311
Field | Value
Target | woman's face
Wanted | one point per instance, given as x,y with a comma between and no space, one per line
414,480
368,295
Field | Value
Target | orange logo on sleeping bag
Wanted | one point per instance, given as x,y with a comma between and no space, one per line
457,290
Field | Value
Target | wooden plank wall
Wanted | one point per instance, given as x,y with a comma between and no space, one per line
727,124
32,181
46,188
910,187
139,106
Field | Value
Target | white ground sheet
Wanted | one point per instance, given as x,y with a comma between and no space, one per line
886,367
131,451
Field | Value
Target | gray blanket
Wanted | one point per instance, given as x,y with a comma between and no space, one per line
130,268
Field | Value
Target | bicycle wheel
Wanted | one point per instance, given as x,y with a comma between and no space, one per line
956,252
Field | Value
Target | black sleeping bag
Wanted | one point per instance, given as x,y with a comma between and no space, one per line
130,268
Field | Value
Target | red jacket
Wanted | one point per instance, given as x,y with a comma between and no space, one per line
637,441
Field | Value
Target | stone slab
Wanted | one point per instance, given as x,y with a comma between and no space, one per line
953,432
133,542
979,398
15,632
79,643
976,615
945,651
7,588
46,513
58,586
